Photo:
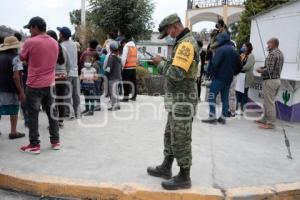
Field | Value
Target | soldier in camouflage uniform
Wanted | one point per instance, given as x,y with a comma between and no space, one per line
180,102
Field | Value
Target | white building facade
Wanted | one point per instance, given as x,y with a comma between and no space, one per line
281,22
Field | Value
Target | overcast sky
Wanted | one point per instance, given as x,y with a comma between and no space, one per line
17,13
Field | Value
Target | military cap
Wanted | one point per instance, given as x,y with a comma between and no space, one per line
167,21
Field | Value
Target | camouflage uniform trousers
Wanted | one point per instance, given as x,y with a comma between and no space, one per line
178,139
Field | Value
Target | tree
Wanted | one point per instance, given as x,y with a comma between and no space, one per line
91,32
252,8
131,17
233,29
6,31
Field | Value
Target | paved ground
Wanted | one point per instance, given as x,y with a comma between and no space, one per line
11,195
8,195
236,155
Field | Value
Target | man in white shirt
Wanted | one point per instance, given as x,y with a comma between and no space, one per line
129,63
71,49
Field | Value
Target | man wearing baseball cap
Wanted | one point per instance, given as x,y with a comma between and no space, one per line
40,52
72,70
180,102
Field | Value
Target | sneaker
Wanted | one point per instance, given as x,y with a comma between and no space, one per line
90,113
61,125
222,120
98,108
84,112
114,108
33,149
78,116
239,112
210,121
55,146
232,115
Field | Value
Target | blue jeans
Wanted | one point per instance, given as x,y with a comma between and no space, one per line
217,87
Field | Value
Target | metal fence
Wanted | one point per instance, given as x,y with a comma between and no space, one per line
192,4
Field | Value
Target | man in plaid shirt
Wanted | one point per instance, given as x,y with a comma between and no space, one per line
271,83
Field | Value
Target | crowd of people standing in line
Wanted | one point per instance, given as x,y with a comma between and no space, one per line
47,64
225,64
49,69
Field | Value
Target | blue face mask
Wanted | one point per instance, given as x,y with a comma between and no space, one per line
243,50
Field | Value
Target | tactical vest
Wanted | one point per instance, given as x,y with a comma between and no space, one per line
131,58
7,83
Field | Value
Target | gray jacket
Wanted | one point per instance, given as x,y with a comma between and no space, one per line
248,69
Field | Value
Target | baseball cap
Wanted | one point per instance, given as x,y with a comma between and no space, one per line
36,21
114,46
65,31
167,21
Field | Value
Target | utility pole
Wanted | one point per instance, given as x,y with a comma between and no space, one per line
83,22
83,13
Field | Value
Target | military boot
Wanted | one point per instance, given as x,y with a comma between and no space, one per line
164,170
181,181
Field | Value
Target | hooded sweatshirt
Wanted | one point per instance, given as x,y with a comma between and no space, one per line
221,67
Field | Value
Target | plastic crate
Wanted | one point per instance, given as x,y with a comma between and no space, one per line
147,65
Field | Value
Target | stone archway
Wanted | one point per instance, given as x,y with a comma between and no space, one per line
230,14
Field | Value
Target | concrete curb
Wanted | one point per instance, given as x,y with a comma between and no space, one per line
60,187
290,191
55,186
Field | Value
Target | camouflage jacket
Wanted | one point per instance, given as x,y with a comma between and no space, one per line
180,74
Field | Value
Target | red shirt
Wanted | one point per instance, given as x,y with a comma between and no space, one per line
41,53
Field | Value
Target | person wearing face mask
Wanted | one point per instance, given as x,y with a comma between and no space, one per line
221,28
222,68
181,99
88,77
248,62
271,83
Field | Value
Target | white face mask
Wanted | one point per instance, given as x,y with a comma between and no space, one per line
87,64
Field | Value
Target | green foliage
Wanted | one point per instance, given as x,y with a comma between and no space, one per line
91,31
75,17
252,7
7,31
233,28
132,17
